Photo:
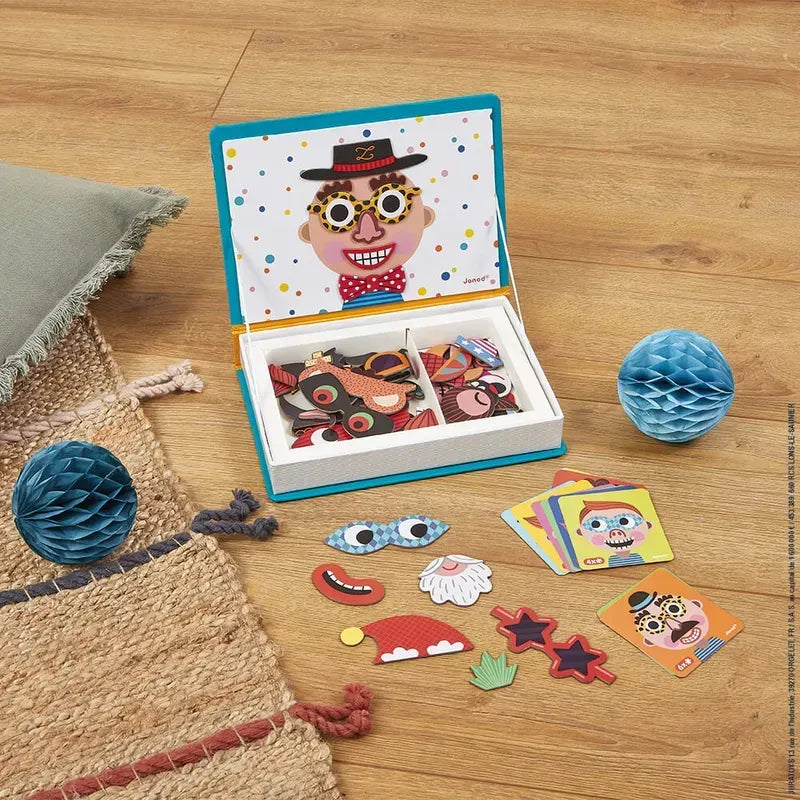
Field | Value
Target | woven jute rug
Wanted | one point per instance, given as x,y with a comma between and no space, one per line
147,675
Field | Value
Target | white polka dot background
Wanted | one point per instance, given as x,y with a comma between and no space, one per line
279,274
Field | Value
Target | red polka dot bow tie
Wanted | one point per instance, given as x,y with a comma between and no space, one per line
352,286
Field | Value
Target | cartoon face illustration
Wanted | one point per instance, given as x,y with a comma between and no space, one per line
616,527
669,621
366,218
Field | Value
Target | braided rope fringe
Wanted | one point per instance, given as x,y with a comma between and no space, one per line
83,577
210,522
232,519
176,378
343,721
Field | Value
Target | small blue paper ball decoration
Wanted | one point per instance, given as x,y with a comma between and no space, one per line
675,385
74,502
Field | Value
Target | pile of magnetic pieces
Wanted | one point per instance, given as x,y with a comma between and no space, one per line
463,378
352,396
368,394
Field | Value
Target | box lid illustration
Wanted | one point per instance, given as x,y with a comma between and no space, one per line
361,211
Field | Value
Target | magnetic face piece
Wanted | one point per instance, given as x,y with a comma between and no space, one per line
408,636
389,365
297,367
349,362
493,382
431,362
379,395
334,583
466,402
506,405
303,419
364,537
424,419
319,355
524,629
492,673
574,658
324,391
472,374
359,421
400,419
415,391
326,434
283,381
312,418
482,350
456,579
451,361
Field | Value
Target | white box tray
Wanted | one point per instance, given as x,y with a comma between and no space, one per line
337,465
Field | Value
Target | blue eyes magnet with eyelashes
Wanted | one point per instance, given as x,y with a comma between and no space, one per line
360,538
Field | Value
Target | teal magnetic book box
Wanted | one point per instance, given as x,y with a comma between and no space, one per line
368,283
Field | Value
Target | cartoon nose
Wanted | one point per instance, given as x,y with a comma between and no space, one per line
673,623
367,229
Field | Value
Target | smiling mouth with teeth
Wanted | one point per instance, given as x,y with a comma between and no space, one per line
334,583
369,257
692,636
620,544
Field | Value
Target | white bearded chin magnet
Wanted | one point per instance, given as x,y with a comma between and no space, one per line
455,579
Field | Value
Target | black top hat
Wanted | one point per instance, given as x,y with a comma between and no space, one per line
640,600
362,158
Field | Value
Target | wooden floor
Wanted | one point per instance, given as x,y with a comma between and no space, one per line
652,181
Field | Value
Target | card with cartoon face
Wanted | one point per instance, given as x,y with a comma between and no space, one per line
551,531
564,475
525,529
534,531
557,532
672,623
611,527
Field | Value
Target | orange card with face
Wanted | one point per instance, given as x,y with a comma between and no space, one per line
674,624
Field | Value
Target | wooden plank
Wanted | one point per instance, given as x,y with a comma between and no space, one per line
59,60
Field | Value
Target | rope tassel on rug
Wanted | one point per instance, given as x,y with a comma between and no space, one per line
175,378
232,519
344,721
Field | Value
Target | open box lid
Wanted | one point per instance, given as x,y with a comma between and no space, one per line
353,212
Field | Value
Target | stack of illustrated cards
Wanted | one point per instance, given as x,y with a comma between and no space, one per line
587,522
674,624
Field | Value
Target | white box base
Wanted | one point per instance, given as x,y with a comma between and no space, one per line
537,427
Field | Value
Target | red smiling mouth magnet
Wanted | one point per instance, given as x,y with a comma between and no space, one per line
334,583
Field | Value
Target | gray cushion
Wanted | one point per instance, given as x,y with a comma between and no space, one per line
60,240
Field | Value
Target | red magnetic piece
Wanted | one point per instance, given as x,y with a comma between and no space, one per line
575,658
400,418
524,629
333,582
594,668
408,636
283,382
431,362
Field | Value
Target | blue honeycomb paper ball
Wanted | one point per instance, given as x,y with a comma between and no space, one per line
675,385
74,502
